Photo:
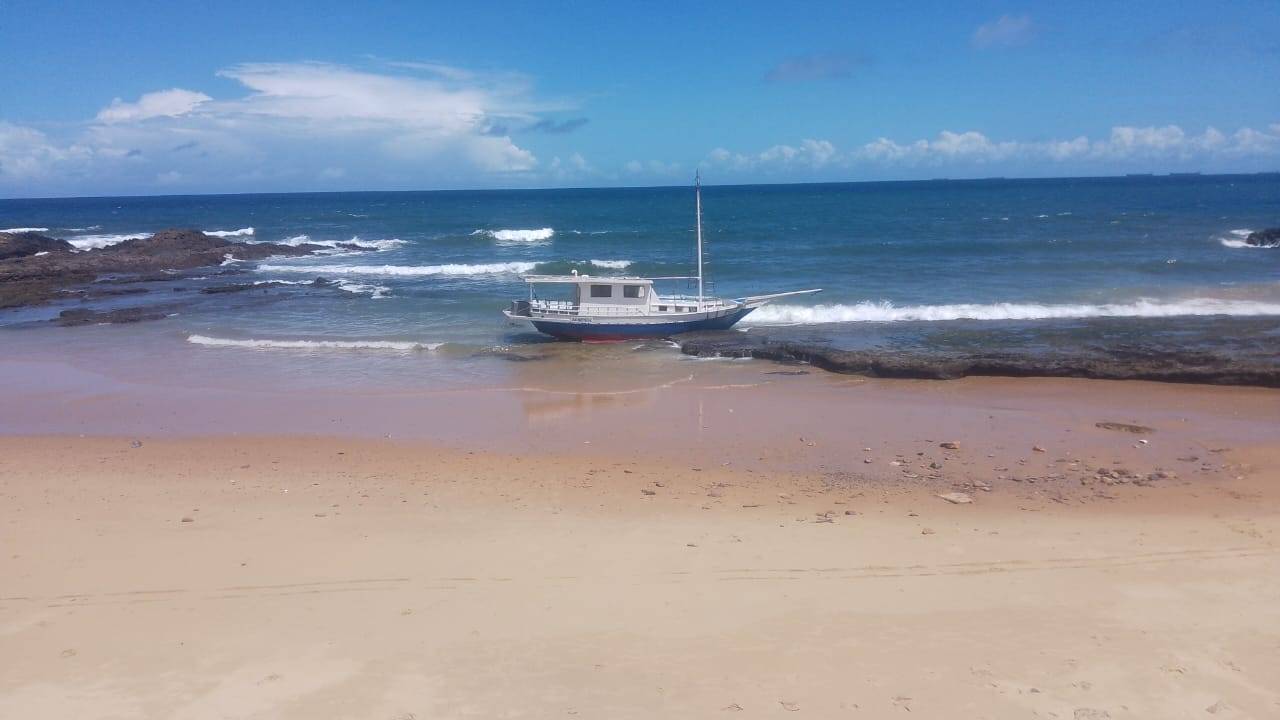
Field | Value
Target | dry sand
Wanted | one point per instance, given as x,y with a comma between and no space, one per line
313,577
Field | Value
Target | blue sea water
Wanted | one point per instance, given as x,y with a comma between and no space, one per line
439,266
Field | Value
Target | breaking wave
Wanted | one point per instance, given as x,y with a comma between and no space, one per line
888,312
229,233
22,230
377,292
340,246
97,242
396,345
1237,239
518,235
511,268
611,264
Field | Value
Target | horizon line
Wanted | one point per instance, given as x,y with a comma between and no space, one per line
997,178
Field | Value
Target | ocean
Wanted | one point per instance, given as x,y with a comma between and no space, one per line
894,259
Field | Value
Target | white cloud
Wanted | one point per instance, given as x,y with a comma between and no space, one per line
809,153
1004,31
27,154
415,125
652,167
165,103
1123,145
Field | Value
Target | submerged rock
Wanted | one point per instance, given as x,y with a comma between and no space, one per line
1268,238
85,316
1165,362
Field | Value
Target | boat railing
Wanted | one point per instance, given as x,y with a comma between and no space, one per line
565,308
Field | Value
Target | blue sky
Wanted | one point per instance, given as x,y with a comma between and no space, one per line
168,97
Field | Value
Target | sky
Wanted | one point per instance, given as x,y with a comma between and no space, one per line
175,98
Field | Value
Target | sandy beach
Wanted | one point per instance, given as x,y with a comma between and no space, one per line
485,361
779,547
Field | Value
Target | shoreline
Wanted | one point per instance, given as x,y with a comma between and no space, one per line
612,532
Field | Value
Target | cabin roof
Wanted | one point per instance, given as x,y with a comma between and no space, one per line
588,279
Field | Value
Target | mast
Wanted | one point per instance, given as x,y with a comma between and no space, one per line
697,191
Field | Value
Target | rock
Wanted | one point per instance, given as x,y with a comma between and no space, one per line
135,444
956,498
1157,356
1268,238
646,491
24,244
235,287
734,707
949,445
1125,427
1037,448
28,279
926,531
85,316
1216,708
188,519
788,706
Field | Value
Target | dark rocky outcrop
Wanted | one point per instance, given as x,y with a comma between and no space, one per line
1164,364
87,316
24,244
33,279
1269,238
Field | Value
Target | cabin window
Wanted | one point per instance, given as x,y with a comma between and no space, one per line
662,308
601,291
631,291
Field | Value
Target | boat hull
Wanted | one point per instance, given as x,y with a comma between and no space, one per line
598,330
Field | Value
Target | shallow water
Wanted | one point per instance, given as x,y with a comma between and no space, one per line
906,260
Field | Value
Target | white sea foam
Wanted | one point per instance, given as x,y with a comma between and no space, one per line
396,345
229,259
377,292
612,264
97,242
84,229
229,233
405,270
22,230
1237,239
535,235
888,312
339,246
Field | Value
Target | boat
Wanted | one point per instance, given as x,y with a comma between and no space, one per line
601,308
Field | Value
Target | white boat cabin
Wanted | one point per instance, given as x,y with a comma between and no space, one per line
608,296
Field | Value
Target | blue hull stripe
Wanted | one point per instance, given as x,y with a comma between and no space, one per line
621,331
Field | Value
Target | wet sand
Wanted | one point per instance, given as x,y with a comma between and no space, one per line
718,540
